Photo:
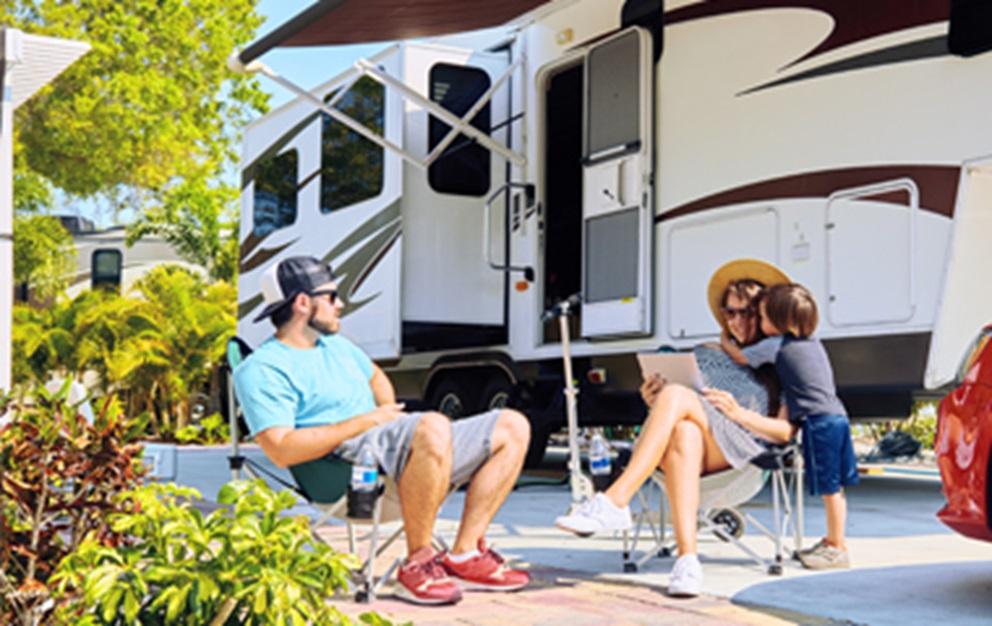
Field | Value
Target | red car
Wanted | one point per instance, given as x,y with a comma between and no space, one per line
964,442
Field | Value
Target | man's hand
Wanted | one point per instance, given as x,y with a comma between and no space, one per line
651,388
385,413
725,403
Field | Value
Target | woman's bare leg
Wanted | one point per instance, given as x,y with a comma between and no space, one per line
673,405
691,453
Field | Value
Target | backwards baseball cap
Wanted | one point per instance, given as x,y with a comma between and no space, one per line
289,278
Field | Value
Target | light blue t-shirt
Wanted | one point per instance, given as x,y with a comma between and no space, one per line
279,385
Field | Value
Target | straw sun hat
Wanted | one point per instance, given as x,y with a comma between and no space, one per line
739,269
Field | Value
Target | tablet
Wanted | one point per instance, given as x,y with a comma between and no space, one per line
675,367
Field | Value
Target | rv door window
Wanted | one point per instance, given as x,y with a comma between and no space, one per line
351,166
614,83
464,167
274,203
105,267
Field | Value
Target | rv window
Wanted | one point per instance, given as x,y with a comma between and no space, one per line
351,165
105,270
969,32
275,193
463,167
614,88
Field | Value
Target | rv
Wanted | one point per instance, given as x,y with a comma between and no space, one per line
462,184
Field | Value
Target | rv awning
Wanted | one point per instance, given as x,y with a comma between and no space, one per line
35,61
334,22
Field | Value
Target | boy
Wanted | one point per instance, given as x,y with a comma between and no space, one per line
788,317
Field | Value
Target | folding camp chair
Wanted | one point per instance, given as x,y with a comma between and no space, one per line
721,494
323,483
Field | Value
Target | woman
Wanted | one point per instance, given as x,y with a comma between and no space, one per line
689,435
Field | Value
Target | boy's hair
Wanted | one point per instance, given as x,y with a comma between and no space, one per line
791,309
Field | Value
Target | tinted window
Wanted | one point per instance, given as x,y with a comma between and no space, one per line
614,95
106,269
351,165
275,193
463,167
970,30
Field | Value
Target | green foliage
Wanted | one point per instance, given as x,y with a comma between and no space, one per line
921,425
59,478
44,255
156,349
245,564
153,99
200,220
210,430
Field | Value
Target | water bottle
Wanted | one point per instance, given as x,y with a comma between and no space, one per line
363,488
599,462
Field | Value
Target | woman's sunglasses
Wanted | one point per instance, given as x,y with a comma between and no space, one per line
745,313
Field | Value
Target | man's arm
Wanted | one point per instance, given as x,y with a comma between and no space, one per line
287,446
382,388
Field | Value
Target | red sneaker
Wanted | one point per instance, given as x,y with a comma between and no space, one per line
422,580
486,572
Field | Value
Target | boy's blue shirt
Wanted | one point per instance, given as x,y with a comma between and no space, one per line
279,385
804,372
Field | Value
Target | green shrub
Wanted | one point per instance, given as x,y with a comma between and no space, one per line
59,480
210,430
245,564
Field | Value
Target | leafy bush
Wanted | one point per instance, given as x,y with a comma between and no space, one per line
59,479
246,564
212,429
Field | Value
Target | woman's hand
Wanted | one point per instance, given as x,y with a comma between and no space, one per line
725,403
651,388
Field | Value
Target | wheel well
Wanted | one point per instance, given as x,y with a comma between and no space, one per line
464,371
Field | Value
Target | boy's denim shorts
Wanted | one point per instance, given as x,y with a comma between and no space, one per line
828,454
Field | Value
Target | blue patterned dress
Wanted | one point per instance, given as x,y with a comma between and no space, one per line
738,444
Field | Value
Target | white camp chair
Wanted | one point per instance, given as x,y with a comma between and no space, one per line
721,494
323,483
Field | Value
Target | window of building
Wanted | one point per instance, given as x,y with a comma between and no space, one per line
351,166
275,193
463,168
970,31
106,267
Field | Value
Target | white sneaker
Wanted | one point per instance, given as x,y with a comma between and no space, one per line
687,577
596,515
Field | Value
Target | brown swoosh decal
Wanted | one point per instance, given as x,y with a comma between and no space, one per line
375,261
854,20
250,243
246,307
938,185
263,255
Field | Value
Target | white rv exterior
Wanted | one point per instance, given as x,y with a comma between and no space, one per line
846,156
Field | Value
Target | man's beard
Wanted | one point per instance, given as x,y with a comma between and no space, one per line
322,328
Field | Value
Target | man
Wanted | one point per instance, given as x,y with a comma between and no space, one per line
308,392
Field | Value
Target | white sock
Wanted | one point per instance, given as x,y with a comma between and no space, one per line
461,558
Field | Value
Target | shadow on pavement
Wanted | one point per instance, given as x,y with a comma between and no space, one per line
958,593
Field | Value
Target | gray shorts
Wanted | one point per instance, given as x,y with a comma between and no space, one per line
471,442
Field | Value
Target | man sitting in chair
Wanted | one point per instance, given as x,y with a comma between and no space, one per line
308,392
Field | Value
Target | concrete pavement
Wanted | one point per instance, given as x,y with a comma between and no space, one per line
908,568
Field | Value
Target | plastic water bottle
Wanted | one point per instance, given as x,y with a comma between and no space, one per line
600,465
364,484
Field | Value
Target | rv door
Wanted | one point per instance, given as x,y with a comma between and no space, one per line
617,195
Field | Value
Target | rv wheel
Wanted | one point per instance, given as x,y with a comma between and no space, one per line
451,398
497,394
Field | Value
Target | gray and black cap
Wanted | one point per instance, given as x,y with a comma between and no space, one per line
289,278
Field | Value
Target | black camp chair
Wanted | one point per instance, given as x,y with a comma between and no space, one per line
323,483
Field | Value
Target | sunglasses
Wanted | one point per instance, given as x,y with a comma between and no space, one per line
332,294
745,313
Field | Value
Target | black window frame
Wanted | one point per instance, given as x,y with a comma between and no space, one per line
99,280
465,166
290,191
339,192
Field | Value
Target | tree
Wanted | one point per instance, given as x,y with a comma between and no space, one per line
152,102
44,255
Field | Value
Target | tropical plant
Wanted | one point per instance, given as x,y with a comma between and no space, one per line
59,478
212,429
244,564
44,255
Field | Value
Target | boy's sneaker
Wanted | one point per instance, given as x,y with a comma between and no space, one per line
422,580
686,580
825,556
487,571
596,515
